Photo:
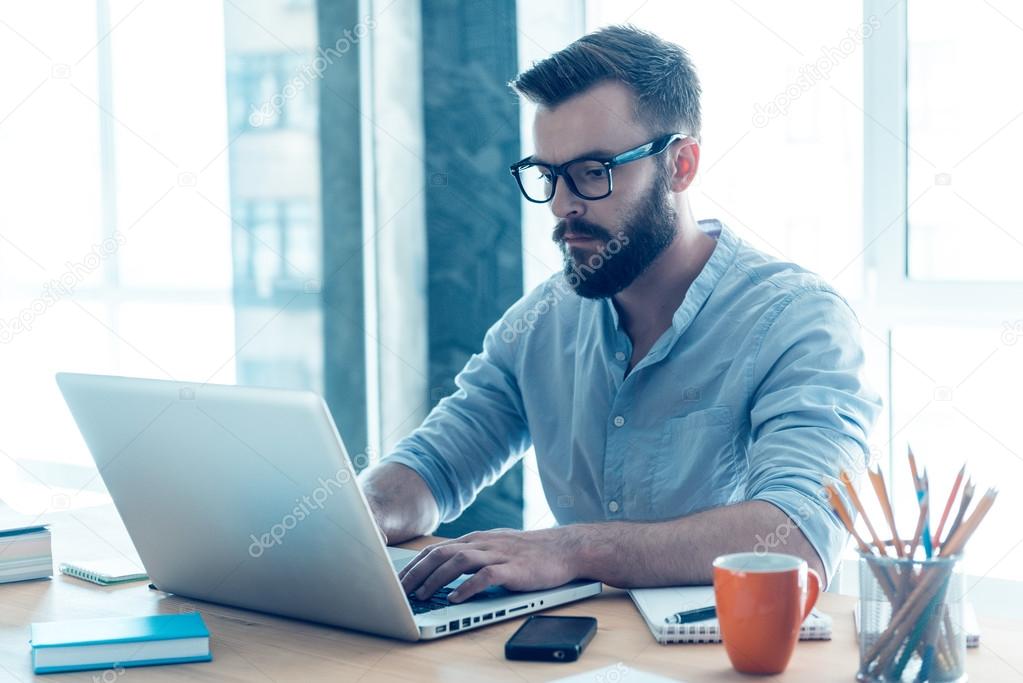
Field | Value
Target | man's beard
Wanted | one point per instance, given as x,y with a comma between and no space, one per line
624,255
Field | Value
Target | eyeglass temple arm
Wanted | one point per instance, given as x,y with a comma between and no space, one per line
649,149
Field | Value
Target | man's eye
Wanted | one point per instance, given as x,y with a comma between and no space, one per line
595,173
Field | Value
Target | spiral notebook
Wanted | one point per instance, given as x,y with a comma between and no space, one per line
658,604
106,572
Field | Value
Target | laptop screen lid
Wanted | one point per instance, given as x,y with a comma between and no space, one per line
241,495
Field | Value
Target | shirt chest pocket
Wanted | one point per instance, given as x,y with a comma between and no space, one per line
695,467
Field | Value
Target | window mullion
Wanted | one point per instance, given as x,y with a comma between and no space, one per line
885,149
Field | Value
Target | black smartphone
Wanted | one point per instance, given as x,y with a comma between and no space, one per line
551,639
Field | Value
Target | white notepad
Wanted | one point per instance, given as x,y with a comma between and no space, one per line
106,572
658,604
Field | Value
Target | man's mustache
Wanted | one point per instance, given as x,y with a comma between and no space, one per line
581,228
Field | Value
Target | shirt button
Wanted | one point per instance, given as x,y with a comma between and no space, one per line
619,420
613,506
620,355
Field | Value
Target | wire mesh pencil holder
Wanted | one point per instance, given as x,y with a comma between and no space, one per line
911,619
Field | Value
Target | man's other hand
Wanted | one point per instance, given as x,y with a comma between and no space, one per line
517,560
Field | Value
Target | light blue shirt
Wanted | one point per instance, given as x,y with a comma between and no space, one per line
755,392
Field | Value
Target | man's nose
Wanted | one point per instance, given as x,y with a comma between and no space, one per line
565,203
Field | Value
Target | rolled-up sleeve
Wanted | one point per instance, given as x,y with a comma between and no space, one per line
812,413
471,437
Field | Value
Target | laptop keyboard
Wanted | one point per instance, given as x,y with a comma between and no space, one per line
438,600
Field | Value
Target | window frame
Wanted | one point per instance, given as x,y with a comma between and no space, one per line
892,297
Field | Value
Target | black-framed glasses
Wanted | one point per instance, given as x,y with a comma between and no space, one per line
587,178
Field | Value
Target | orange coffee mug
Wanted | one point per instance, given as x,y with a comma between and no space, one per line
762,600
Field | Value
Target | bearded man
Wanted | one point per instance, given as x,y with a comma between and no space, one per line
686,394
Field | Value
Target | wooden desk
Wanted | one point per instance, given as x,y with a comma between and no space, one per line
251,646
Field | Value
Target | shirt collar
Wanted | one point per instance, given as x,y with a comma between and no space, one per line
699,291
718,263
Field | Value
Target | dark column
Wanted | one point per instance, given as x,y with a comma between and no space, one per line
344,336
473,212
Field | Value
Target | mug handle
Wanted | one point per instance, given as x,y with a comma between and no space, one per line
813,591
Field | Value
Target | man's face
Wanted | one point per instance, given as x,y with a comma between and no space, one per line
607,243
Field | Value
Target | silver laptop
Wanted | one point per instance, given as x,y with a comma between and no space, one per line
246,497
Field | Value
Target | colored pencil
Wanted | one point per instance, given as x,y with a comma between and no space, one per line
948,505
883,576
877,480
964,503
919,532
912,465
854,497
843,514
920,486
926,531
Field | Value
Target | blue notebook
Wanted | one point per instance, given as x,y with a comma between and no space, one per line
119,642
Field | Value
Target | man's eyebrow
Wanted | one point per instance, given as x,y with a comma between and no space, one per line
591,154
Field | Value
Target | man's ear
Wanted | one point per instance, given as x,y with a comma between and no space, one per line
685,159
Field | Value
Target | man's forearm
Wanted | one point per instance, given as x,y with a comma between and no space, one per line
402,503
681,551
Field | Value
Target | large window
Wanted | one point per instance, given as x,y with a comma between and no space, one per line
115,252
956,319
272,94
160,213
943,238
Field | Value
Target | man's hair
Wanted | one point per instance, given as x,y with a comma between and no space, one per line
658,72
